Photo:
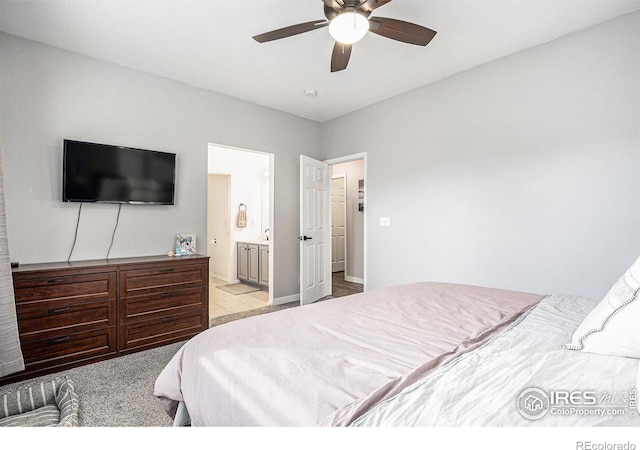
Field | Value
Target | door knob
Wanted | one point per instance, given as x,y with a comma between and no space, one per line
304,238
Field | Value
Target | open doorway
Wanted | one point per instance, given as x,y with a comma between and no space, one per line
347,225
239,228
316,280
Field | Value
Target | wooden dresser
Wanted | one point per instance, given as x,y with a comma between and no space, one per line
81,312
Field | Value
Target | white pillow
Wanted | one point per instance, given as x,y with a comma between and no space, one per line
613,326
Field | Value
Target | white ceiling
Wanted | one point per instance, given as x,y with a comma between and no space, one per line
207,43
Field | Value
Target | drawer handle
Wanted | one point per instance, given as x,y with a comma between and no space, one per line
167,270
58,310
167,319
59,340
166,294
58,280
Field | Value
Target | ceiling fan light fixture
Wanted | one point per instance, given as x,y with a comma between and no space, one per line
348,27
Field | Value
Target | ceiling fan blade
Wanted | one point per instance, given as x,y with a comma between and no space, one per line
340,56
370,5
401,31
291,30
335,4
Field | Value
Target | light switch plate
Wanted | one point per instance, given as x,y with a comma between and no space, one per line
385,221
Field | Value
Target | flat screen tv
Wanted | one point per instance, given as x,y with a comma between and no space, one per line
102,173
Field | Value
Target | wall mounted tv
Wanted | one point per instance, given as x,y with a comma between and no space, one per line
102,173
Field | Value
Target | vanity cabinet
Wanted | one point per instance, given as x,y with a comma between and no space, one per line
248,262
81,312
253,263
263,265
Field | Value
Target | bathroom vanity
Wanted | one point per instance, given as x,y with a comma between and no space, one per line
253,262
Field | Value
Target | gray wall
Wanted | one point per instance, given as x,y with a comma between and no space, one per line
48,95
521,174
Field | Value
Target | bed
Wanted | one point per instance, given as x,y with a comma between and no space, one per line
419,354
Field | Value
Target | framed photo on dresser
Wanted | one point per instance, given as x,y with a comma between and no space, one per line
185,244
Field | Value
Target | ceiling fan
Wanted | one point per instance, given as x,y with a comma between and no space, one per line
348,22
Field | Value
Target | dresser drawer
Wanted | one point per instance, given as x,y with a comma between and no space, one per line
70,288
161,304
162,330
60,317
158,280
60,348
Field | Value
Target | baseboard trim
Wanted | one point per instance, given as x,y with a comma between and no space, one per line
353,279
287,299
218,276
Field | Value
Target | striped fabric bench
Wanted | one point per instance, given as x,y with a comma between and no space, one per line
51,403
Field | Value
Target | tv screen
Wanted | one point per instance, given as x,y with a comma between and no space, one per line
109,174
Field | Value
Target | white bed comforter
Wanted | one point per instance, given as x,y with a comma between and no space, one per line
481,387
327,363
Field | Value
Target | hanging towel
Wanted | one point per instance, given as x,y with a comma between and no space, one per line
242,216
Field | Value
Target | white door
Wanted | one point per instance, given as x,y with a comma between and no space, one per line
315,230
338,223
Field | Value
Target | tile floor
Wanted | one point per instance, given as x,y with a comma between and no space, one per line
222,303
